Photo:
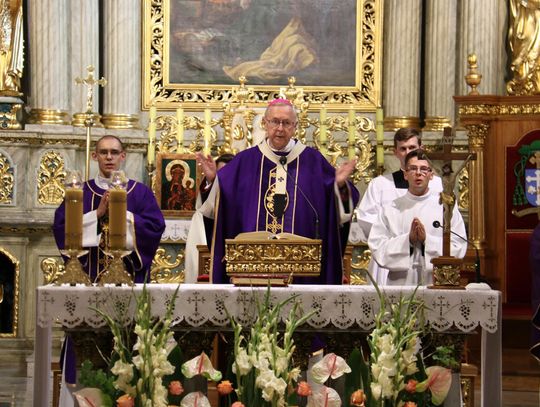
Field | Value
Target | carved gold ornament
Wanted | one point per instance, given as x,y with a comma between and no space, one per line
162,270
6,181
463,189
51,177
360,267
52,268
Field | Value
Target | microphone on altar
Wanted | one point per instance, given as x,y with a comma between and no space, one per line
436,224
283,161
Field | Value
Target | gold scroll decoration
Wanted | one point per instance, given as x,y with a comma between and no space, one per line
162,270
52,268
7,181
463,189
51,175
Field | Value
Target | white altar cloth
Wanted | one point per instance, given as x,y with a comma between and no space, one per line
339,307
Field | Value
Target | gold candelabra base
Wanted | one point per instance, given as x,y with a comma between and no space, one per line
74,273
116,273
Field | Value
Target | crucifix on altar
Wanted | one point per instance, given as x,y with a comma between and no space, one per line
446,268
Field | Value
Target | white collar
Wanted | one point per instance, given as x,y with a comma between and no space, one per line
102,182
419,197
285,149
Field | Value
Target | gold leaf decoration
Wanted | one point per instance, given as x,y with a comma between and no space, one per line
7,181
51,176
162,270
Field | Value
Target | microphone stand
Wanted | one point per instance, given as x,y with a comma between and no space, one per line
437,224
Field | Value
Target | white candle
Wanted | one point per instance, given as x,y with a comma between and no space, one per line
352,132
379,126
179,129
322,128
207,122
152,135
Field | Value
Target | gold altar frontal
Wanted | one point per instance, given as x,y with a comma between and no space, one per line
261,257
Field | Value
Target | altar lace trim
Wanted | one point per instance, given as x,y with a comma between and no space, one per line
340,307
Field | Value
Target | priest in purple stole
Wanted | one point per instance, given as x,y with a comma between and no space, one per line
279,186
145,223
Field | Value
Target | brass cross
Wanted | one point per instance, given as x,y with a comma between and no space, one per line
90,82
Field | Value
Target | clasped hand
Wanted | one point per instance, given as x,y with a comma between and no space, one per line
417,233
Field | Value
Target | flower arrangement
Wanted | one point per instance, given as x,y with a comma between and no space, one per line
263,359
394,374
136,376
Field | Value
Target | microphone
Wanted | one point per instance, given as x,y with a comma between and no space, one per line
436,224
283,161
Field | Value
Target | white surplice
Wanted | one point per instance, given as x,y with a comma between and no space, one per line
380,193
389,239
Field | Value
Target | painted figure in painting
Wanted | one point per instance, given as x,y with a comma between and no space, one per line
179,192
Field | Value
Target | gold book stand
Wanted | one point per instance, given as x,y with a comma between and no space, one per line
262,258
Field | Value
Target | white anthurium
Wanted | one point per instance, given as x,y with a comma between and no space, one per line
201,365
324,397
89,397
331,365
195,399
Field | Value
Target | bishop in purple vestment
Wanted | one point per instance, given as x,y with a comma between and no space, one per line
145,220
279,186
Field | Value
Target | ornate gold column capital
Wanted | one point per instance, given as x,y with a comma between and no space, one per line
477,134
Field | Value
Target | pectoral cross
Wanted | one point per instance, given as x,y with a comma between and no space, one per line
447,196
90,82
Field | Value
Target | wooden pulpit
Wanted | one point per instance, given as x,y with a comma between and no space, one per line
496,125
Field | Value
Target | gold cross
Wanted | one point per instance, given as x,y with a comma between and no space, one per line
90,81
535,159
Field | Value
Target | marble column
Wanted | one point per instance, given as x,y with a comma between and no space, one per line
122,65
441,20
482,28
84,52
401,76
49,78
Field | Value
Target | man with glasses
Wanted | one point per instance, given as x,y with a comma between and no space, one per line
145,223
279,186
382,190
403,239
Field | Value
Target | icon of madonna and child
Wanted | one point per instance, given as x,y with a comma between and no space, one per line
179,191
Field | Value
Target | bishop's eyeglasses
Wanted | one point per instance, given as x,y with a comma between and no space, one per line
287,124
422,170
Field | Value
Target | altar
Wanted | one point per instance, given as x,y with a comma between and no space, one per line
341,307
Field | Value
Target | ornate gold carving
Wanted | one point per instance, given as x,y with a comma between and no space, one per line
121,121
463,189
477,135
116,273
397,122
51,177
436,123
366,95
524,41
11,116
498,110
360,267
52,268
446,272
162,270
48,116
6,181
73,272
473,78
16,289
288,257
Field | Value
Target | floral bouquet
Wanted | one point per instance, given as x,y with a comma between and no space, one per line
395,375
138,371
263,359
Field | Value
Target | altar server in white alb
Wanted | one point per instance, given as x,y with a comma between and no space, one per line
382,190
403,238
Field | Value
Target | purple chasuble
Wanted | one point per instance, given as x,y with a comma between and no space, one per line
244,205
149,226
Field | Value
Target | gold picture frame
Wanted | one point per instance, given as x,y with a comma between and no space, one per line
193,56
177,184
